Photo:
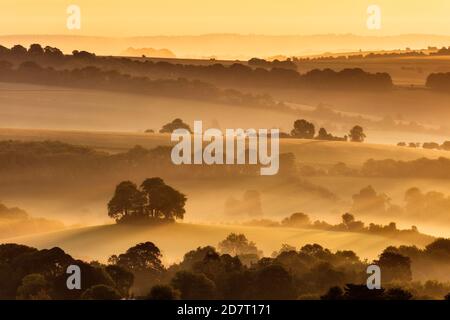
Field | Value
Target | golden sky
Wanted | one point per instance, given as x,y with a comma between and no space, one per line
181,17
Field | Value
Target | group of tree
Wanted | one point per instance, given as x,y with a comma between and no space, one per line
370,55
153,201
93,77
304,129
313,272
286,64
57,164
348,224
28,273
427,145
280,74
174,125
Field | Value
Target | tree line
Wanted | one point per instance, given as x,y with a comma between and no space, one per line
311,272
237,74
304,129
92,77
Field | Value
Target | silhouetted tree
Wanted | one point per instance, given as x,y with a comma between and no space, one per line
36,50
154,200
303,129
273,282
175,124
193,286
123,279
296,220
162,200
142,257
357,134
18,51
238,244
127,201
33,287
395,267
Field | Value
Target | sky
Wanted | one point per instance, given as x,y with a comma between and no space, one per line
183,17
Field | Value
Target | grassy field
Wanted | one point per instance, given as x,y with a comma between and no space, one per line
98,243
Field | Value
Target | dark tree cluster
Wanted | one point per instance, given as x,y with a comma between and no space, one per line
236,74
444,51
152,201
304,129
313,272
348,224
31,274
427,145
93,77
286,64
56,162
34,51
174,125
371,55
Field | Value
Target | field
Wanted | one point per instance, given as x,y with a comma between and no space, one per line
100,242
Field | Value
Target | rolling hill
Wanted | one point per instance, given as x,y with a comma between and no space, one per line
100,242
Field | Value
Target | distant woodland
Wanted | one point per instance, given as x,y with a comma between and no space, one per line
237,74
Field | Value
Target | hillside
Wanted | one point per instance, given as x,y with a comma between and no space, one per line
99,242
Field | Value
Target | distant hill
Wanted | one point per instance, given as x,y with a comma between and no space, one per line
148,52
234,46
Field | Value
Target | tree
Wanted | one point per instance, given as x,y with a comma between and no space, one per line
154,200
303,129
123,279
193,286
18,51
296,220
369,201
273,282
33,287
163,292
127,201
174,125
53,52
439,249
395,267
357,134
238,244
101,292
142,257
163,200
36,50
323,135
